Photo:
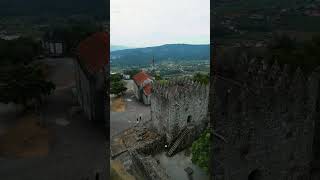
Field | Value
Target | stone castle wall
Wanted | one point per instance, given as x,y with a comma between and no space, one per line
178,104
264,123
148,166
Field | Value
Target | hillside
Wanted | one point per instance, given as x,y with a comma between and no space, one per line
118,47
53,7
183,52
251,20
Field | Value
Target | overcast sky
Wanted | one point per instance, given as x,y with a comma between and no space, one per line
141,23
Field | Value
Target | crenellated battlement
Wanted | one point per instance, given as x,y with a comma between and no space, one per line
258,76
179,88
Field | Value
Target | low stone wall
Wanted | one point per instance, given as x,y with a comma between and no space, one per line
152,147
149,166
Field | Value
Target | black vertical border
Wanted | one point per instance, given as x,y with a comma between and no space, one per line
107,97
211,91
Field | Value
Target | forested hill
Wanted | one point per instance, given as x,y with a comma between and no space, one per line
118,47
53,7
183,52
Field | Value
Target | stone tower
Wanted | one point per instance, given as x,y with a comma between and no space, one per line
177,105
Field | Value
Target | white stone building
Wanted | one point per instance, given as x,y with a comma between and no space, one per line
91,67
143,87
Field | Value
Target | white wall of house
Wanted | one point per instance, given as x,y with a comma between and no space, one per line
146,99
84,91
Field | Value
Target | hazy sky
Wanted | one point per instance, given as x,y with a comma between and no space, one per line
141,23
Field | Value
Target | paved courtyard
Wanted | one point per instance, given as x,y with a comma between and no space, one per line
120,121
77,147
175,166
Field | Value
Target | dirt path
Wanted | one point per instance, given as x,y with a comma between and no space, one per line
26,139
118,104
118,171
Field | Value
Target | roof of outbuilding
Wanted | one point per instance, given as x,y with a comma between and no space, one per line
141,77
94,51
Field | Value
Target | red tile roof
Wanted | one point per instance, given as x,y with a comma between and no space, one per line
94,51
147,89
141,77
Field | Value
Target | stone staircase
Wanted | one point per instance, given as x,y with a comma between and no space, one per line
180,138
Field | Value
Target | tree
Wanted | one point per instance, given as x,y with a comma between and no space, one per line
21,50
22,83
132,72
202,78
201,149
21,80
158,77
117,84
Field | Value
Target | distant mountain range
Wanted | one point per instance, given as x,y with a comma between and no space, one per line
183,52
118,47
